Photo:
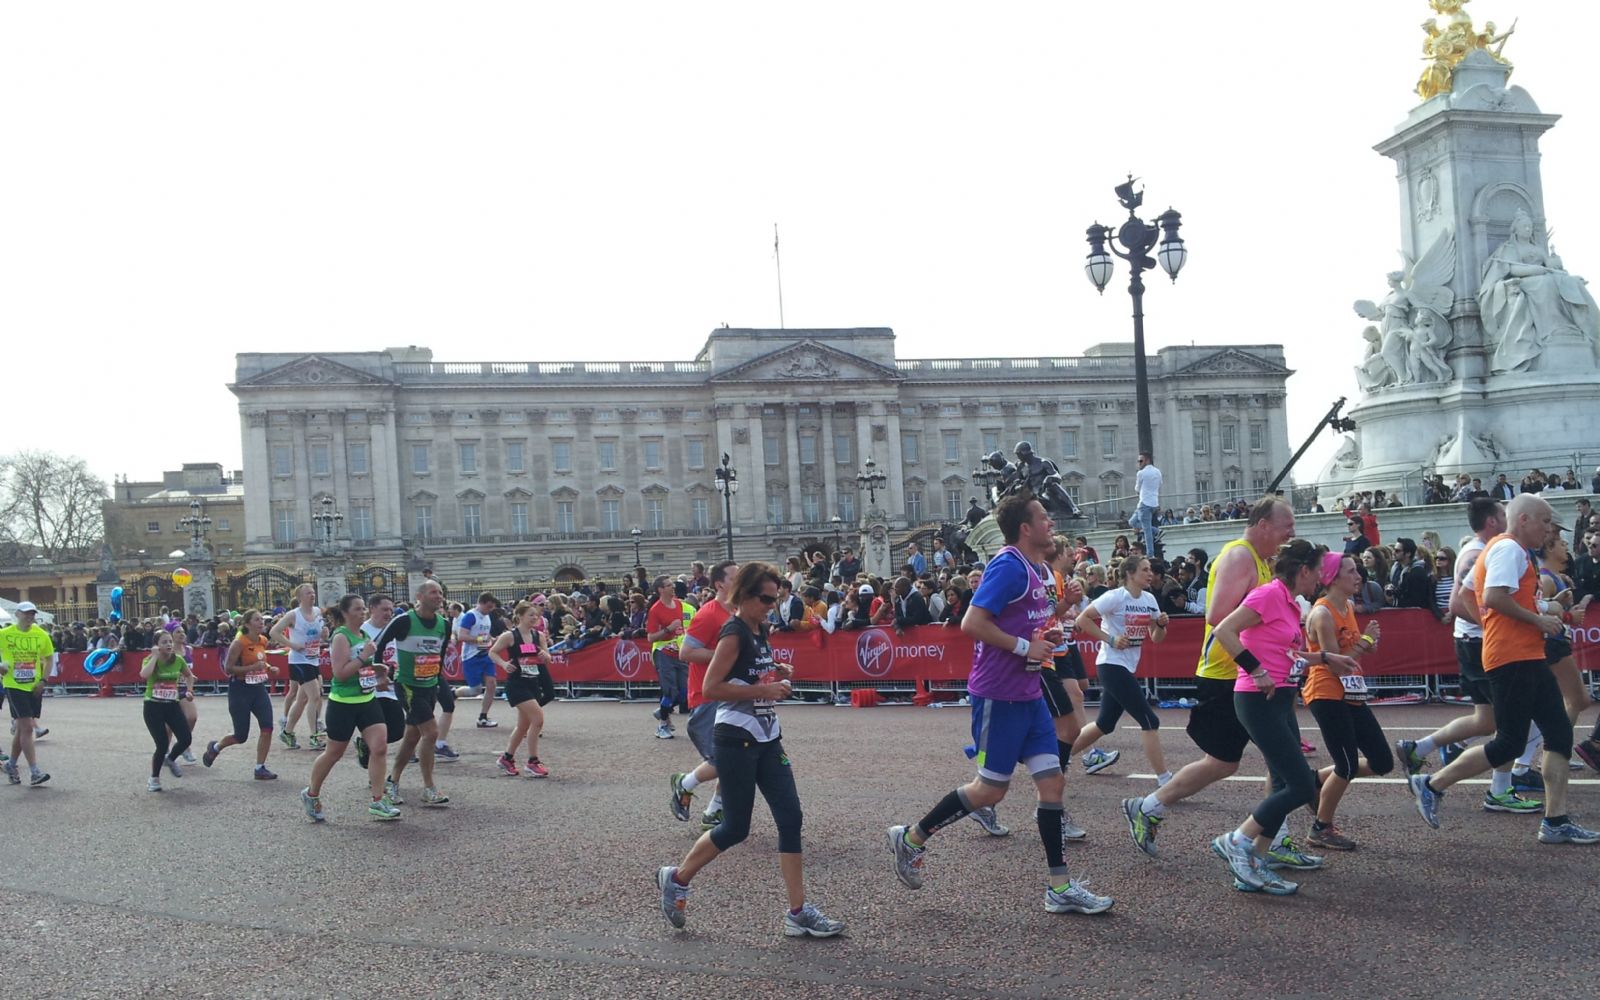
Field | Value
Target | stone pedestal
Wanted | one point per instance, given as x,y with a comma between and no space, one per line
876,557
332,577
199,597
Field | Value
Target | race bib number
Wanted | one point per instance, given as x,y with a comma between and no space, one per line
164,692
313,649
425,665
765,709
255,677
1298,669
24,673
1137,627
1355,688
369,679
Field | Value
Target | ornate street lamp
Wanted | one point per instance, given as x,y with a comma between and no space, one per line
637,534
327,520
198,524
727,485
871,480
1136,238
838,533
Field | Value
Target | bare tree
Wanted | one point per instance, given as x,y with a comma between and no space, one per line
51,504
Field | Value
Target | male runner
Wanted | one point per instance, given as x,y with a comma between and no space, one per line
380,612
1010,723
698,645
477,670
665,624
1506,580
1243,565
419,637
26,654
302,629
1487,518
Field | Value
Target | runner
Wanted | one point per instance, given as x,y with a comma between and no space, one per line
379,613
477,669
1010,723
26,653
1264,638
666,623
1487,518
357,671
698,644
1130,615
1240,567
1524,690
161,673
302,629
442,750
1338,702
520,652
191,714
249,673
420,637
747,683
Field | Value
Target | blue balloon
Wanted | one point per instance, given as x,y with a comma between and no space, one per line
116,616
116,600
100,661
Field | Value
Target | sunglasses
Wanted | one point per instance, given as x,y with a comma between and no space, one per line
767,598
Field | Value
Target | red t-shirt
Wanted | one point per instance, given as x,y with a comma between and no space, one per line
662,616
704,629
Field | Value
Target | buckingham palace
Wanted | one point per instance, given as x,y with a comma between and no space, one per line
537,471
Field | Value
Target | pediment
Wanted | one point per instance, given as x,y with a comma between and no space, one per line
808,361
1232,361
313,369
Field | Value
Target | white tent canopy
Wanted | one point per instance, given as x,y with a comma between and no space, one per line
8,614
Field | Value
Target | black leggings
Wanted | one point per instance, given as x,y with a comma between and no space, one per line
1350,731
158,715
1276,733
394,718
743,765
1119,693
1526,691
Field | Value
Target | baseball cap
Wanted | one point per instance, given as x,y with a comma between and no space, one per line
25,607
865,588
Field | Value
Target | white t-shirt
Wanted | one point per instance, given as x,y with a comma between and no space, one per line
1507,562
1132,617
372,632
1148,481
1463,628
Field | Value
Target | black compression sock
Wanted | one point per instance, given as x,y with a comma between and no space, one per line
1049,816
1556,820
1064,751
950,808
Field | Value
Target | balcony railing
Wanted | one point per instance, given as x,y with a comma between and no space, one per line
955,368
550,371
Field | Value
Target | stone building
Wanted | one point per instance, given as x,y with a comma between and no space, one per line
535,471
142,524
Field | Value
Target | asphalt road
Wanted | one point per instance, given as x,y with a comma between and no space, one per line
219,887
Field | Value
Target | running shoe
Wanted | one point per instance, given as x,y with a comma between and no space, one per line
383,809
39,778
1567,833
1427,800
210,756
681,797
188,757
1098,760
312,806
986,817
1307,747
1450,751
536,769
1240,860
1075,897
172,765
1528,781
445,751
363,752
1287,854
40,733
288,739
1071,831
317,742
1510,802
153,785
391,791
487,723
907,858
810,922
710,821
1405,751
1588,751
432,798
283,723
11,772
1330,839
508,764
674,897
262,774
4,756
1272,883
663,732
1141,825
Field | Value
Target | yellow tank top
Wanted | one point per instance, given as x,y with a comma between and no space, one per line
1214,660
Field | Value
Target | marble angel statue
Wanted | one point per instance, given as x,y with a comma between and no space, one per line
1526,297
1393,354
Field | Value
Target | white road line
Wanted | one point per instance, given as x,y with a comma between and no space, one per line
1376,781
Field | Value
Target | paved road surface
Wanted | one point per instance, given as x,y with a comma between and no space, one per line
218,887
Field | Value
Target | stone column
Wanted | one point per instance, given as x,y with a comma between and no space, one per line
258,479
791,420
895,503
863,452
387,523
830,474
754,479
336,463
302,477
724,416
1214,457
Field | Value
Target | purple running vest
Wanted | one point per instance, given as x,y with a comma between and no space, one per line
1000,673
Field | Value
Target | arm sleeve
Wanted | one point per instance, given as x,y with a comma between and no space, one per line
399,627
1004,580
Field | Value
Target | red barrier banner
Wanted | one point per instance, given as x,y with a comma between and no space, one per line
1412,642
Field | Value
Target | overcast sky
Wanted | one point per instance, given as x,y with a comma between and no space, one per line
513,181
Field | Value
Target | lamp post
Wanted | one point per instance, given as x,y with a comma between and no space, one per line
727,485
198,524
838,533
985,478
1136,238
637,534
871,480
327,520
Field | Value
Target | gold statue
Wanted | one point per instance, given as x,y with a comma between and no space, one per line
1445,47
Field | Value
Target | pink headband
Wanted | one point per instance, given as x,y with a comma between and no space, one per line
1331,562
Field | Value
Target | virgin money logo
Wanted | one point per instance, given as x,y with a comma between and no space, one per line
874,652
629,660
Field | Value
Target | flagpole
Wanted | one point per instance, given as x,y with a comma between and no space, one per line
778,261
